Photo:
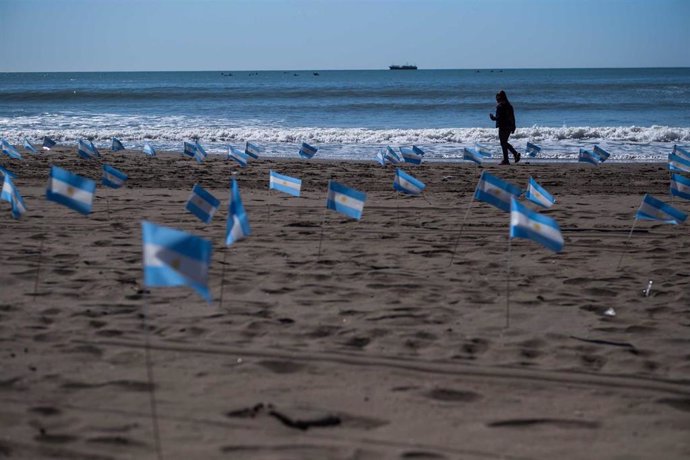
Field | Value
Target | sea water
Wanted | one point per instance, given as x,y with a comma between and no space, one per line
635,114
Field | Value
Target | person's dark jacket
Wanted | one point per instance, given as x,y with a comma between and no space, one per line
505,117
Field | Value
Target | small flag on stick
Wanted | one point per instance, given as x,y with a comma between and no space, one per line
113,177
9,150
532,149
202,204
11,195
87,150
307,151
239,156
405,183
116,145
678,163
681,152
587,156
29,146
680,186
345,200
68,189
285,184
601,153
48,143
538,194
495,191
525,223
252,150
148,150
655,209
393,156
412,155
238,224
472,155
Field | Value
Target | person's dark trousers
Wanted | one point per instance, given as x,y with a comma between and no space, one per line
503,135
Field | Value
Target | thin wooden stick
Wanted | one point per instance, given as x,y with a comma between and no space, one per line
152,384
222,278
38,269
627,241
323,223
462,225
508,285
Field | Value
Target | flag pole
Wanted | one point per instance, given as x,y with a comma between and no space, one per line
107,206
508,285
323,222
462,225
151,382
222,278
38,269
627,241
397,208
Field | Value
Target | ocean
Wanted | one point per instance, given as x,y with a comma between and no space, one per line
635,114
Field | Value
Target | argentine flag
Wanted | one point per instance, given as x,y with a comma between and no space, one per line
9,150
29,146
412,155
11,195
238,223
472,155
532,149
307,151
496,192
393,156
525,223
587,156
7,172
200,154
678,163
202,204
285,184
381,157
601,153
175,258
655,209
73,191
482,150
148,150
116,145
345,200
87,150
405,183
680,186
48,143
239,156
538,194
681,152
252,150
189,149
112,177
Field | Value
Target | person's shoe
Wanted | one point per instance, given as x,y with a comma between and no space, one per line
504,162
517,157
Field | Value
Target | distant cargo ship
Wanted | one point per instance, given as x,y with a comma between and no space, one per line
402,67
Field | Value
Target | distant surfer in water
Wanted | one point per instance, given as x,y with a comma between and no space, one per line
505,122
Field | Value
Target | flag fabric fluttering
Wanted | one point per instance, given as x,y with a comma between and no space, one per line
681,152
381,157
412,155
238,224
175,258
116,145
406,183
9,149
189,149
7,172
532,149
345,200
238,155
393,156
68,189
11,195
655,209
87,150
538,194
285,184
149,150
29,146
495,191
587,156
601,153
202,204
680,186
252,150
525,223
483,150
307,151
472,155
678,163
112,177
48,143
200,153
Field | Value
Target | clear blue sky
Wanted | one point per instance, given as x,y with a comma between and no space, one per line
105,35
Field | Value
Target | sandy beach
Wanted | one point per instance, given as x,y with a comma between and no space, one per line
378,348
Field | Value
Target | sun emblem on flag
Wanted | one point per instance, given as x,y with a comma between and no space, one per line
536,226
175,263
342,199
70,190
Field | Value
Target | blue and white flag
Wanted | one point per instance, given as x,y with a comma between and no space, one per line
113,177
601,153
393,156
116,145
405,183
345,200
48,143
202,204
11,195
29,146
655,209
175,258
532,149
538,194
200,154
73,191
238,224
285,184
189,149
680,186
587,156
482,150
87,150
496,192
7,172
252,150
9,149
412,155
238,155
148,150
525,223
678,163
681,152
472,155
307,151
381,157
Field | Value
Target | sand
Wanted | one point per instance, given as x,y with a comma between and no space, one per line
378,348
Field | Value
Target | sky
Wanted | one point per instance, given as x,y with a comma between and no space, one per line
158,35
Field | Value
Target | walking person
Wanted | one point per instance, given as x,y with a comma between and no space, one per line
505,122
